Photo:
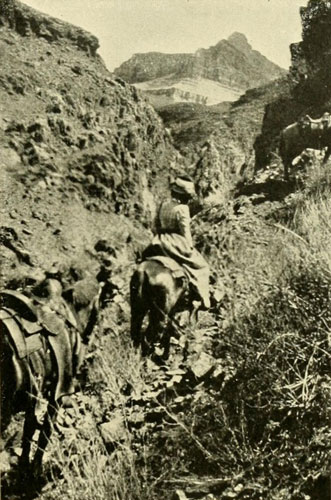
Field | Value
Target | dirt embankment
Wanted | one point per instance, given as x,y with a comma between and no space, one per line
76,142
240,409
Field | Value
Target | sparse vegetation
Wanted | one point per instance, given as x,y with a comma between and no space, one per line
241,409
254,428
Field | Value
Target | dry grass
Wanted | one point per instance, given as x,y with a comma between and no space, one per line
262,432
79,462
265,428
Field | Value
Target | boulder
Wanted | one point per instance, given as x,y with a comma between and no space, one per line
9,158
113,431
201,364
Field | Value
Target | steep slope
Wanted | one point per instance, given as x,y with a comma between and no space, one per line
219,73
217,141
192,124
76,143
240,410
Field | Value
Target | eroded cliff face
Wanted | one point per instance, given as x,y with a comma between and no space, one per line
311,58
67,121
309,84
167,91
78,146
27,21
231,63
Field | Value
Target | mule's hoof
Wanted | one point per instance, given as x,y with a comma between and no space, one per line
158,350
67,402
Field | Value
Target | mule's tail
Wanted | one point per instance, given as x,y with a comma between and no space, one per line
137,286
283,153
139,306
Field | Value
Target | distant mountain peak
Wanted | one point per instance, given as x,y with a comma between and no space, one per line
223,71
239,41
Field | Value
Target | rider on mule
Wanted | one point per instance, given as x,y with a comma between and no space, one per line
173,238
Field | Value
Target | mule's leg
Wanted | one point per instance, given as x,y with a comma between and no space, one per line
44,436
87,336
165,324
29,428
148,339
286,169
137,317
168,330
138,307
154,330
327,155
194,313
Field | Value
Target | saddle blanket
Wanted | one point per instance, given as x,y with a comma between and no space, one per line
26,335
176,270
24,344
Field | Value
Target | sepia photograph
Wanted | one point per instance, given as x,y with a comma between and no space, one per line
165,229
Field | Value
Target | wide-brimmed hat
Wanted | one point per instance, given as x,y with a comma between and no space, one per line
183,186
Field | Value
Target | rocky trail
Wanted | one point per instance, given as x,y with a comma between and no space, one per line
136,400
132,407
127,400
239,411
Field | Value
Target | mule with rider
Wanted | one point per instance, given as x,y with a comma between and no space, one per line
173,275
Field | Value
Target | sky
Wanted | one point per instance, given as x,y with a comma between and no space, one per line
126,27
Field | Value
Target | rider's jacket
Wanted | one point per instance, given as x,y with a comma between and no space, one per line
174,218
173,239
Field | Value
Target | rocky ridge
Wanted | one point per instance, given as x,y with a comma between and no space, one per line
232,63
73,139
27,21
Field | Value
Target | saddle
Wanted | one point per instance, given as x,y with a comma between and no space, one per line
28,322
323,123
176,270
20,303
16,325
179,273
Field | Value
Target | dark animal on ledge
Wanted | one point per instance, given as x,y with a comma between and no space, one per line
41,354
174,275
159,288
306,133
